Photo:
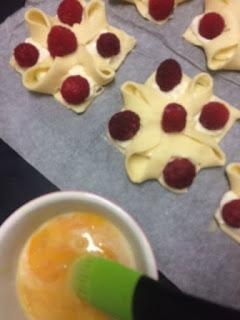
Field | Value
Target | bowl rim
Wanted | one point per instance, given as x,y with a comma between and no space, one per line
93,198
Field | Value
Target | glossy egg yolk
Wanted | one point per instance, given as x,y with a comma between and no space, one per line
42,278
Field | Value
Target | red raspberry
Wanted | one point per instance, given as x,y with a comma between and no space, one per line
211,25
179,173
124,125
214,116
108,45
174,118
160,9
231,213
26,55
61,41
168,75
75,89
70,12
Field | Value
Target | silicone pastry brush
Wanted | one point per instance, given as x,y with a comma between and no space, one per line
125,294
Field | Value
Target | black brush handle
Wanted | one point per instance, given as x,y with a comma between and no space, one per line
154,301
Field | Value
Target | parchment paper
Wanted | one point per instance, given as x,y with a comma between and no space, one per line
73,152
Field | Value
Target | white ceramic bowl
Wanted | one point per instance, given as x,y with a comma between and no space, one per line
20,225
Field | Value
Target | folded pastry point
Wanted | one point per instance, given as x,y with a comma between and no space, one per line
213,156
96,10
228,212
199,91
137,165
46,77
138,155
221,48
94,19
135,97
233,173
224,54
39,25
201,84
34,79
102,74
190,36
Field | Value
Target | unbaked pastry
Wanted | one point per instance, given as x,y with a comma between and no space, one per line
48,74
223,50
143,8
151,148
233,174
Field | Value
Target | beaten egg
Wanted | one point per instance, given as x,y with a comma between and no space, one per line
43,269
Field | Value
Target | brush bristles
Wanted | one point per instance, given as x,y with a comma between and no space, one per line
106,285
81,272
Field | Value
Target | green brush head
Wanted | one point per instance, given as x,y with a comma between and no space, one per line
106,285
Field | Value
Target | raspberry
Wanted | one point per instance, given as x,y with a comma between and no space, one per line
179,173
160,9
26,55
168,75
211,25
75,89
231,213
124,125
108,45
174,118
70,12
214,116
61,41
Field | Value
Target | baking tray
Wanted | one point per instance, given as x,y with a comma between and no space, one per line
73,152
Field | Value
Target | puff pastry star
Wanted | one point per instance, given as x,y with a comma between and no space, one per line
149,146
49,73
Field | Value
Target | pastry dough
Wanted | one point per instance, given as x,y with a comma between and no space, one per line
48,74
233,174
39,25
142,7
222,52
148,152
43,54
127,44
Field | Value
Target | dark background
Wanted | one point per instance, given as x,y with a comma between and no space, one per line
8,7
19,181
